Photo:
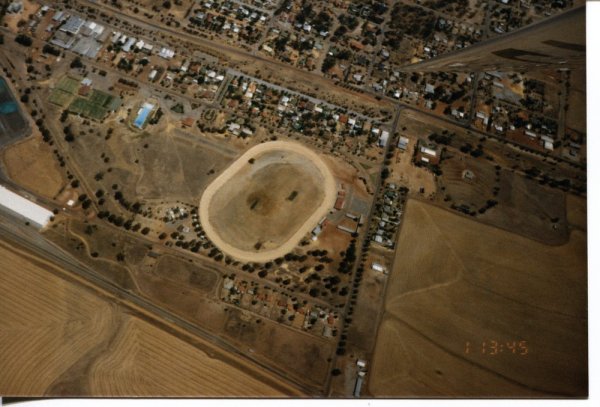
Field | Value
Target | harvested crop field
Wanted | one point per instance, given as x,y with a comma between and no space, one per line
457,281
267,200
58,338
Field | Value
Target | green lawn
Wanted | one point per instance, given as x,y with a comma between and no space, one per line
95,106
60,97
68,84
86,108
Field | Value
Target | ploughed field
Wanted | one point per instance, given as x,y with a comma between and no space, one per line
267,200
59,338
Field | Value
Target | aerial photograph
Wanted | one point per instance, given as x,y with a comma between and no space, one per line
332,199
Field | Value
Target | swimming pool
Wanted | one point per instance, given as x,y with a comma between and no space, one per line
143,115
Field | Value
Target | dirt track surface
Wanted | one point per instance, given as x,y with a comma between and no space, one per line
457,281
260,210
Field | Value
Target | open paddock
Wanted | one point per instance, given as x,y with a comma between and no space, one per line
30,163
177,167
456,281
523,205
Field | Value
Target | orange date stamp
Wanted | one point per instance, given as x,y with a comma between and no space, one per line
493,347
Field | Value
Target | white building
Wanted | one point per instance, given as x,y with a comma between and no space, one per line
166,53
24,207
378,267
383,139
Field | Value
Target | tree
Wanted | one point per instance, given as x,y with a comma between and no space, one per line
23,40
49,49
76,63
328,63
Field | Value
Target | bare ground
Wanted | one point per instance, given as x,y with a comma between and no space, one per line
457,281
30,163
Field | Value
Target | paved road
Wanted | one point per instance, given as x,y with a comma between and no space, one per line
279,88
367,225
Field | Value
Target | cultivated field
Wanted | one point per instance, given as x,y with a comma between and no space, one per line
60,339
267,200
189,290
457,281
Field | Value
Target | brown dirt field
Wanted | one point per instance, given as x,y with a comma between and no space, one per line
61,234
300,355
30,163
577,211
273,201
60,339
171,268
45,328
175,368
456,280
576,115
404,172
187,163
524,206
187,290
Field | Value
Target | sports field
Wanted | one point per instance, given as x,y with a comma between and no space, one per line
60,97
94,106
266,201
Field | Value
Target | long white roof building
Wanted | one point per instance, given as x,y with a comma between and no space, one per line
24,207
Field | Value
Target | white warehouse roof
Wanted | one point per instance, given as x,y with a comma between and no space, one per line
24,207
